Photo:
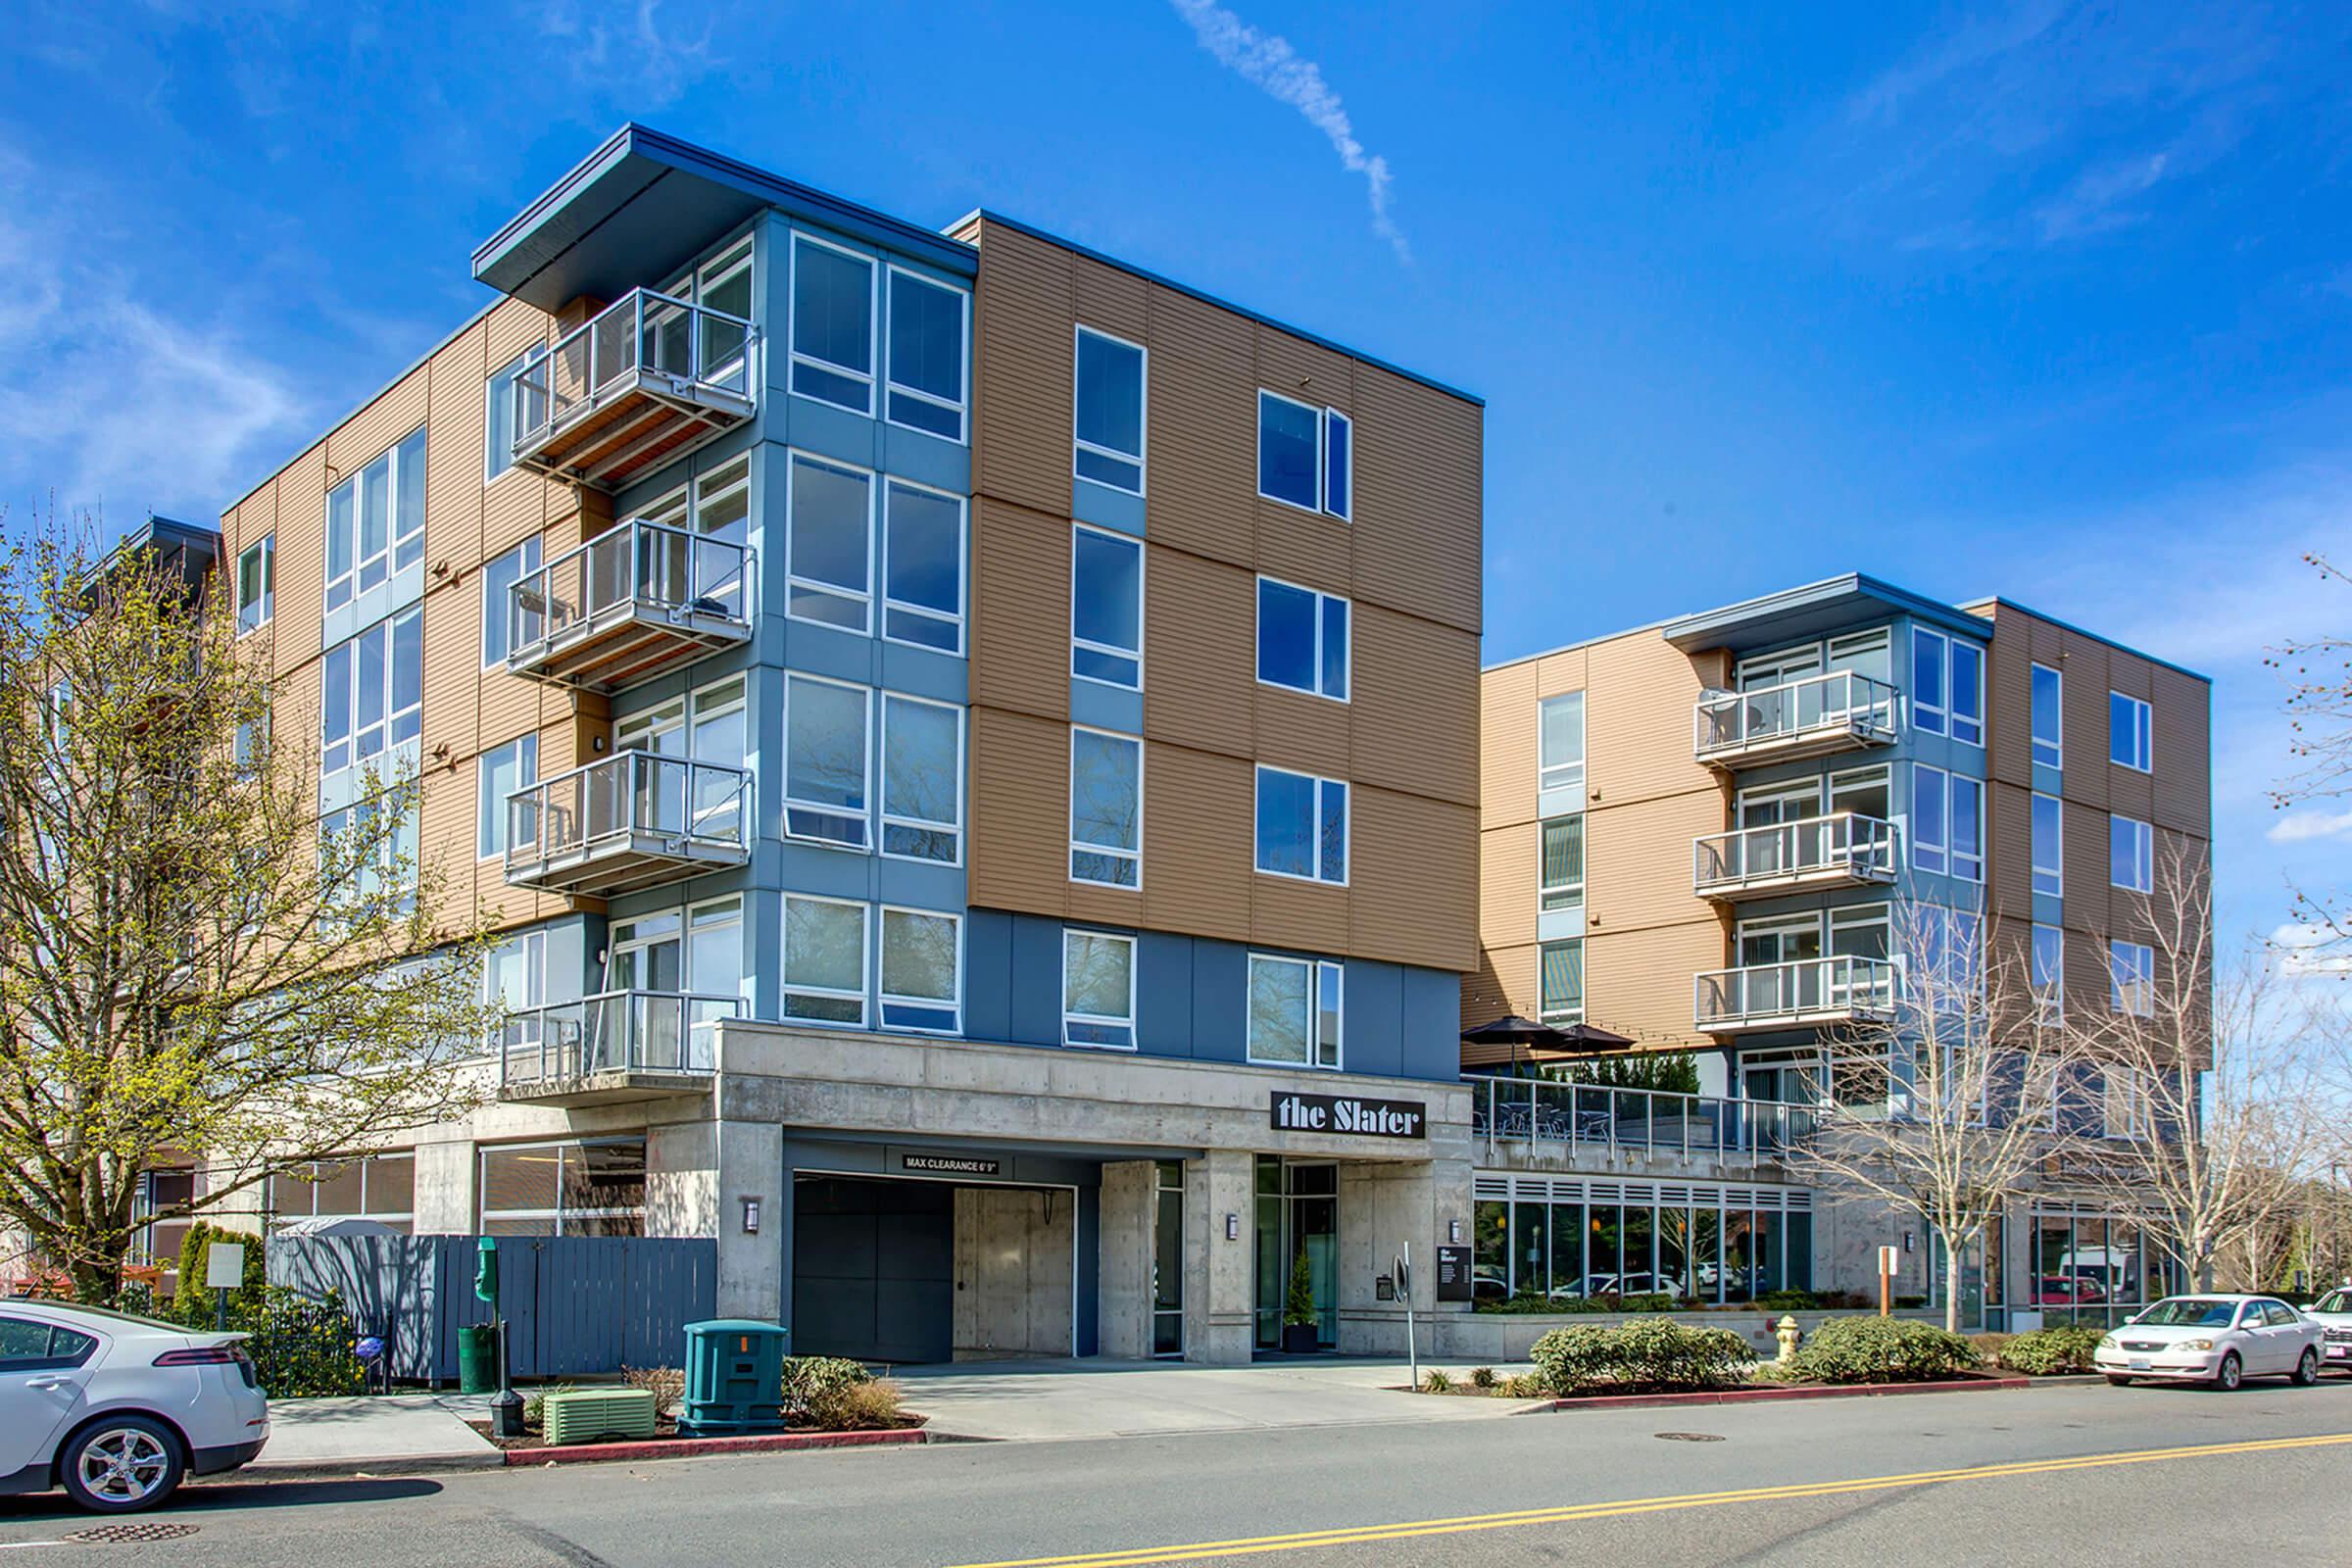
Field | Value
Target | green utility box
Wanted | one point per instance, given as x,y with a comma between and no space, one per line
582,1415
477,1359
734,1377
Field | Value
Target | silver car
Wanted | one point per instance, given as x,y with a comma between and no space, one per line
119,1410
2333,1313
2217,1338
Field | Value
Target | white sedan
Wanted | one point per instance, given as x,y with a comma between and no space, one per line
2220,1340
2333,1313
117,1409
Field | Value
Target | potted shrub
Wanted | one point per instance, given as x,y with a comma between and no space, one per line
1299,1324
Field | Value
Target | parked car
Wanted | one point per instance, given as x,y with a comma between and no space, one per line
119,1410
2220,1340
2333,1313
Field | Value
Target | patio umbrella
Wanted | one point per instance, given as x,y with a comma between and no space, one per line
1502,1040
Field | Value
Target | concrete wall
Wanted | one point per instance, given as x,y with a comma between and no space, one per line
1129,1199
1014,1271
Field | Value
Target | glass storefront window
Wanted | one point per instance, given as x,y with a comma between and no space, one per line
1772,1275
1491,1260
1739,1253
1531,1249
1638,1276
1800,1251
1674,1253
1706,1254
1567,1250
1605,1235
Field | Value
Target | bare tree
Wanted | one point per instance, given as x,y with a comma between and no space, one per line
192,962
2318,672
1946,1102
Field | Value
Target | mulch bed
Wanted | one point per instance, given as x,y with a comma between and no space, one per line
531,1446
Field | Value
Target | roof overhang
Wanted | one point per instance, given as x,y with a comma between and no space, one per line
644,204
1815,610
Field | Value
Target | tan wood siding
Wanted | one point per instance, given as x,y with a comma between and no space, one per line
1638,723
1023,344
1198,843
1509,868
1506,792
1021,812
1412,871
1637,860
1414,692
1641,983
1203,437
1200,652
1022,610
1419,474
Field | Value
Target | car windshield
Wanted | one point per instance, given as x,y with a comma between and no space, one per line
2334,1302
2189,1312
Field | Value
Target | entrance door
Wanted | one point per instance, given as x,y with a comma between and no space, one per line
1298,1215
647,955
1767,944
1168,1260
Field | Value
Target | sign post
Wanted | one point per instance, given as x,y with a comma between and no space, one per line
223,1272
1405,1289
1889,1259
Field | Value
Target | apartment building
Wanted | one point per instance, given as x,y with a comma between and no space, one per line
971,747
1724,835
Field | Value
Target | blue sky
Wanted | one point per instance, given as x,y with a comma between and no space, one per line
2045,299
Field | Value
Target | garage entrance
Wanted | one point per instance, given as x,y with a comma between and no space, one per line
913,1271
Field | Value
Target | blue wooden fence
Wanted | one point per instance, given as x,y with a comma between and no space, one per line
574,1305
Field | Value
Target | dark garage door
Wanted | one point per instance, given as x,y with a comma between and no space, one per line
873,1269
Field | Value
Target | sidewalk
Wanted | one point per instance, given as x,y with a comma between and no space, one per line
381,1434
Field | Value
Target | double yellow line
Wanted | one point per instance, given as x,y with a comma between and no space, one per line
1253,1545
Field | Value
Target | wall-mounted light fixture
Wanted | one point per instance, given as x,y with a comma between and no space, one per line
1233,1227
751,1216
1453,1230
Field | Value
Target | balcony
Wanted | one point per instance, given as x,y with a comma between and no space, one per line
631,603
1809,992
635,820
645,380
1526,1124
1845,850
1816,717
608,1048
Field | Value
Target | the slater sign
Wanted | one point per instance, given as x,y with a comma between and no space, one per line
1349,1113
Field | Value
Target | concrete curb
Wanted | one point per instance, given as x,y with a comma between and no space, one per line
420,1464
1851,1391
703,1447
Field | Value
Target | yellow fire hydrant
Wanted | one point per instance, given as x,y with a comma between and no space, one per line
1785,1331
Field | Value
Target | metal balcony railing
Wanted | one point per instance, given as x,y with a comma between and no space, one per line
651,1032
628,604
1844,846
1804,717
1809,990
643,379
1537,1122
631,820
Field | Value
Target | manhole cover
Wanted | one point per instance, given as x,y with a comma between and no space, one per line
154,1530
1688,1437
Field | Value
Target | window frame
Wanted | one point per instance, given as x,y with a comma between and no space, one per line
794,358
2047,878
266,546
396,543
561,1218
2143,714
1320,614
1972,689
793,459
865,754
1940,708
1967,868
1571,894
1572,774
1314,826
1143,424
892,819
2142,857
1316,970
2047,981
2056,744
391,719
960,619
1079,644
1324,415
528,556
1134,948
490,810
885,998
1562,1015
1078,846
1921,844
787,988
2143,977
891,384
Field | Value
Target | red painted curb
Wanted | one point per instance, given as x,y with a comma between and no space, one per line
1851,1391
693,1448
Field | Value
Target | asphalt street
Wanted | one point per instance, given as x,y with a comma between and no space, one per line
2057,1474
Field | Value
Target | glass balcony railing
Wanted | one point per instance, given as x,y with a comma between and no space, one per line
1808,991
631,820
627,604
642,379
1535,1122
660,1031
1802,718
1844,846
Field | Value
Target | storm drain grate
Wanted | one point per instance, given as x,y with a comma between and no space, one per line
109,1535
1688,1437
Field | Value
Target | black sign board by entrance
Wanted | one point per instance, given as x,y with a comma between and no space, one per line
1348,1114
949,1165
1454,1274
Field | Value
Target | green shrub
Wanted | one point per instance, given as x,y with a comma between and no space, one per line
1788,1301
2047,1351
1645,1303
301,1347
813,1386
1434,1381
1522,1386
191,1302
1481,1377
1657,1354
1880,1349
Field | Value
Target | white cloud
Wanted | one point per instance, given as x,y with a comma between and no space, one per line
2311,953
2298,827
1272,65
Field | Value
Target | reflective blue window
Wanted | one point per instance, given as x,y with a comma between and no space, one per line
1106,608
1302,639
1288,438
1301,826
1110,413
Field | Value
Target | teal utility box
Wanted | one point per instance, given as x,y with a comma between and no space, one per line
734,1377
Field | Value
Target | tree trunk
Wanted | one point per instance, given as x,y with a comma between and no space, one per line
1951,1288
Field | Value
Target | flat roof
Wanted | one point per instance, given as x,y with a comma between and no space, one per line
1811,609
1994,600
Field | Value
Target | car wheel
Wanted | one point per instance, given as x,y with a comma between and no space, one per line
2119,1380
2232,1373
2307,1370
121,1464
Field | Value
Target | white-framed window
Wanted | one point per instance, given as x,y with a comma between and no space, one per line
826,760
392,874
922,970
1107,607
1306,455
1302,639
499,425
2131,978
922,567
1968,828
500,772
1560,742
832,329
377,1187
2123,1107
253,734
1865,652
499,578
514,976
824,961
1097,990
1560,983
2049,845
719,508
2131,855
1110,415
375,521
1106,807
1301,826
1562,874
1948,823
257,584
2048,975
2049,717
829,543
2130,736
923,779
1297,1011
930,332
372,694
591,1187
1948,686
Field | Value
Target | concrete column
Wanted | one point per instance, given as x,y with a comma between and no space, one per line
753,1280
446,1174
1384,1206
681,1180
1130,1195
1220,1304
